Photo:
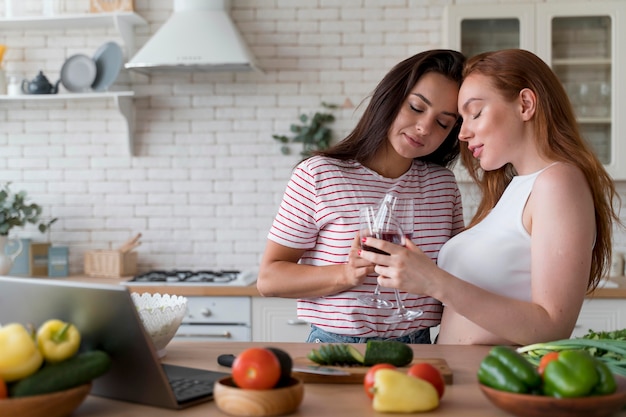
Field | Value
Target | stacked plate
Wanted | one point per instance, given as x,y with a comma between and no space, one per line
81,73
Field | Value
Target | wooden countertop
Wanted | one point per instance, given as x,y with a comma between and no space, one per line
251,290
462,398
186,290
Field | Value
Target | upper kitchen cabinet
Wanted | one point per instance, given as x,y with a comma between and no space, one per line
580,41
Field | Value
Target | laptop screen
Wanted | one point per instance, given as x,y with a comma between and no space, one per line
108,320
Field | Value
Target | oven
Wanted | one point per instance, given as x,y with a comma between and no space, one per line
208,317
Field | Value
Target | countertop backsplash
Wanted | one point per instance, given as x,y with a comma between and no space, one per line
206,177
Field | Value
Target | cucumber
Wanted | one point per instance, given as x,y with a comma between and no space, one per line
376,351
387,351
336,354
78,370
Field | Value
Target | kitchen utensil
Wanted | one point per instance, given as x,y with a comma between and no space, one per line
228,359
253,402
357,373
40,85
530,405
109,59
56,404
130,244
78,73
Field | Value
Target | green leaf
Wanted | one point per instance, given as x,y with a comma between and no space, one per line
312,133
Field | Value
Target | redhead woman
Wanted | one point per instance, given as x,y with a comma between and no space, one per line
541,237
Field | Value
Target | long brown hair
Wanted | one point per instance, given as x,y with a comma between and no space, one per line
370,132
558,138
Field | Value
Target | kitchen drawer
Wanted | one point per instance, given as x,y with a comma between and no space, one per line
218,310
276,320
213,333
600,315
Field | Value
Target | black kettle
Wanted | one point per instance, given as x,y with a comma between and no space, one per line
40,85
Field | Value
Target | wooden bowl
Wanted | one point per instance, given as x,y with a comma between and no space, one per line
526,405
55,404
249,402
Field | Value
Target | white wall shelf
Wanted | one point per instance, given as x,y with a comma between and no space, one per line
123,101
122,21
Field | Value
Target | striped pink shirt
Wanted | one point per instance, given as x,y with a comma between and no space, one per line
320,213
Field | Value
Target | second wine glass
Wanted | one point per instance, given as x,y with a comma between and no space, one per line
369,227
403,214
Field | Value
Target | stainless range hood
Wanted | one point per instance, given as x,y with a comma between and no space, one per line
199,37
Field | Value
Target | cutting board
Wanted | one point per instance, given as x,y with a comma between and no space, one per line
357,373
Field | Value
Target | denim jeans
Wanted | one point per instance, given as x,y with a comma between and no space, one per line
318,335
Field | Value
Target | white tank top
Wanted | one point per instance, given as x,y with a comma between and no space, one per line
495,254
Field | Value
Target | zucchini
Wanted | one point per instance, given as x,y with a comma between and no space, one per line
78,370
387,351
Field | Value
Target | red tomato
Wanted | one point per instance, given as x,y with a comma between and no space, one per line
3,389
428,373
545,360
368,382
256,368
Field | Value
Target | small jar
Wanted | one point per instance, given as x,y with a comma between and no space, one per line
14,85
3,81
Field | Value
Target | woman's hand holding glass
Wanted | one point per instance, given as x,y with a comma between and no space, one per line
393,222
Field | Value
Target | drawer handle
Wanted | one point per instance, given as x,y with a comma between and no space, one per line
294,322
225,335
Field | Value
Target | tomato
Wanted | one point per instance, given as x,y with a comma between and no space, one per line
368,382
3,389
428,373
545,360
256,368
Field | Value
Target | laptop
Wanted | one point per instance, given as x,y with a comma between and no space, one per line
108,320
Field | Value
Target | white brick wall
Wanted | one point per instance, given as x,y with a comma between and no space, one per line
207,176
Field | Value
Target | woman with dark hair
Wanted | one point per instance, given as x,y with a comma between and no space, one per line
541,237
403,145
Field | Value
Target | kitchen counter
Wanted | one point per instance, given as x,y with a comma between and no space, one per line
462,398
251,290
186,290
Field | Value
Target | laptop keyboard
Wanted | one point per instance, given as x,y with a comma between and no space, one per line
187,389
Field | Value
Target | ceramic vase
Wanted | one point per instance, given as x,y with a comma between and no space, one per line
7,259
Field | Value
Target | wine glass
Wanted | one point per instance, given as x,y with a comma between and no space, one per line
402,214
367,220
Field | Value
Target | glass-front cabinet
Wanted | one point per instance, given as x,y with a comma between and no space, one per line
580,41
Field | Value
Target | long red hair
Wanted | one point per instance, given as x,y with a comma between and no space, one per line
558,139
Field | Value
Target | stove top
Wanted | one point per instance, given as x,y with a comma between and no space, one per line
186,277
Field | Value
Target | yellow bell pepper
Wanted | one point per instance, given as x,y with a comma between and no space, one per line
58,340
19,356
396,392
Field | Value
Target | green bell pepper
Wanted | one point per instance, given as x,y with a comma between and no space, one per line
607,384
573,374
507,370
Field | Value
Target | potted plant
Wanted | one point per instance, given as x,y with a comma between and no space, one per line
312,133
16,211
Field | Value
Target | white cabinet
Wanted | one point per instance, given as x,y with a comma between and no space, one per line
122,22
583,42
601,314
275,320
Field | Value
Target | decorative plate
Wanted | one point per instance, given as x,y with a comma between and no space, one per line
109,59
78,73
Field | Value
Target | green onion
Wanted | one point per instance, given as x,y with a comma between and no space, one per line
609,347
